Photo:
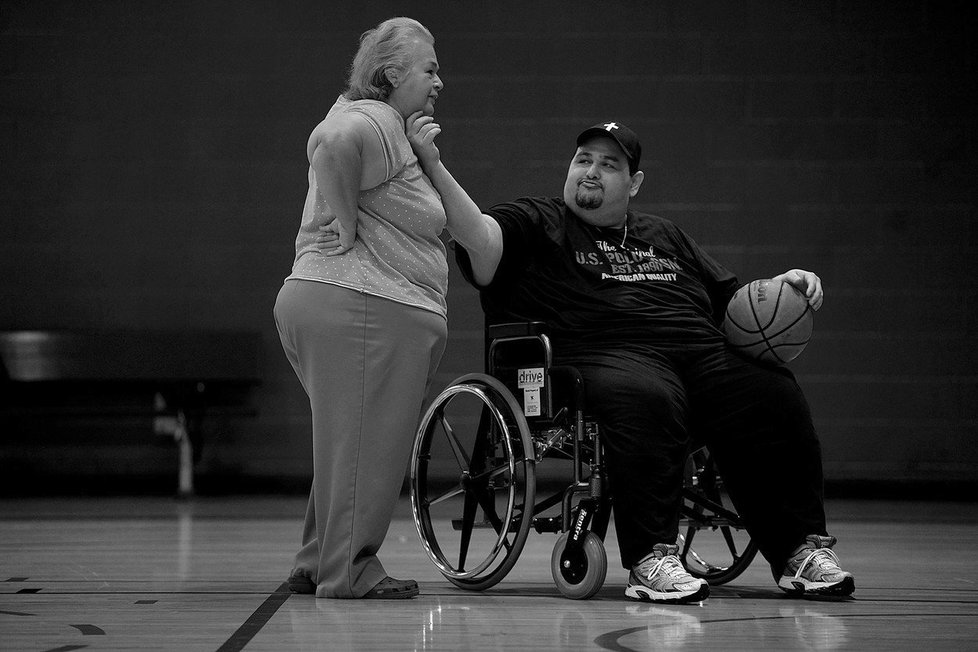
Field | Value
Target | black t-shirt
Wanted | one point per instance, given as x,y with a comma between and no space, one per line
653,286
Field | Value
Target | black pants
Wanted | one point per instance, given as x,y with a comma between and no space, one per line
754,420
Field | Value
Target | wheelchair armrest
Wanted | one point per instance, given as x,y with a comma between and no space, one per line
517,329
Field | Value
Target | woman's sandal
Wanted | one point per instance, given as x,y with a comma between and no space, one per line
301,583
386,589
391,589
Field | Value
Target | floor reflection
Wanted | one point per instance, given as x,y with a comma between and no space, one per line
485,622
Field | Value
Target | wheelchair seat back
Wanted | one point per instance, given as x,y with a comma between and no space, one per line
520,356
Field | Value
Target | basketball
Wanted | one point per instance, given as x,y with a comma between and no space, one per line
769,321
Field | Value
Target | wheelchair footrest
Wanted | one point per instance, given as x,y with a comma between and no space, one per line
548,524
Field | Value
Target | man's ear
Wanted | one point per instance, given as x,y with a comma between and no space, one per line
392,76
637,180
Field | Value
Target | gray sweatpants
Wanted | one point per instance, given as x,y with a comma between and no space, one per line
365,363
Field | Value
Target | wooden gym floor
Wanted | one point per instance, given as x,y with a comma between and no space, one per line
207,574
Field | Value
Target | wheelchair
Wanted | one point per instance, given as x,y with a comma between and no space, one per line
491,461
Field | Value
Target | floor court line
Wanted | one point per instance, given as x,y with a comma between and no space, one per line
240,638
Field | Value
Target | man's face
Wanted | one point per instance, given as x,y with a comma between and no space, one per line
598,184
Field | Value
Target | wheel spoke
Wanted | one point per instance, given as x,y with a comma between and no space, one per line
731,544
489,509
451,493
468,520
502,529
481,444
460,457
687,541
490,474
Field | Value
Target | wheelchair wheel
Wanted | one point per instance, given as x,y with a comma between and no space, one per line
713,542
473,481
579,574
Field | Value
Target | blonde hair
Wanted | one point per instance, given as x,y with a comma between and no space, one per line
381,49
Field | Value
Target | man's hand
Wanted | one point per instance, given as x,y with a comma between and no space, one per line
333,240
421,132
807,283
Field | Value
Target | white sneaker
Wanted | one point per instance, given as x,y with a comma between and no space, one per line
813,570
660,577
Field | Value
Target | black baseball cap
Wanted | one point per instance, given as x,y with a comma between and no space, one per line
624,136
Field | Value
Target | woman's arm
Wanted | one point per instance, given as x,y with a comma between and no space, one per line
478,233
346,157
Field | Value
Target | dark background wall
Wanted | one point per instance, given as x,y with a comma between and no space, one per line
153,173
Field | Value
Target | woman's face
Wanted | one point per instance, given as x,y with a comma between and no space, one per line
416,88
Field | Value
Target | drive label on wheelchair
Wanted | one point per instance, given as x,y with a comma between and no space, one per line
530,380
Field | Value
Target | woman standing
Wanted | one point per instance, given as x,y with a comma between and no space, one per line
363,319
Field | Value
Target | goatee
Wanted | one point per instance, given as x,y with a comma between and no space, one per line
587,200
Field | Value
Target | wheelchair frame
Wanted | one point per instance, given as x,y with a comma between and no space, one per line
492,444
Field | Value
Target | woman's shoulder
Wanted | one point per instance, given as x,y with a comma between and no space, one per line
362,119
374,126
340,127
346,112
381,113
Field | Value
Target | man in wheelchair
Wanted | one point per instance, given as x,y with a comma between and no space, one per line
635,304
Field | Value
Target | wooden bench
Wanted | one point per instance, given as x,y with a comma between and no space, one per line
174,378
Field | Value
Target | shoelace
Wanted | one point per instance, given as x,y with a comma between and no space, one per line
823,558
674,568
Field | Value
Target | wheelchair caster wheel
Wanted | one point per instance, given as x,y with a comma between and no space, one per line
579,574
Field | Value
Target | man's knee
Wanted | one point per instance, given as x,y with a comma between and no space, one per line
789,406
640,413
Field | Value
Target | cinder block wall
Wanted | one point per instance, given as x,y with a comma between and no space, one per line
154,171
